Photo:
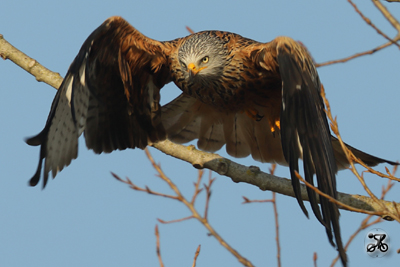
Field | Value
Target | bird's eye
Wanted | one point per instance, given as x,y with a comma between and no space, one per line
204,59
183,65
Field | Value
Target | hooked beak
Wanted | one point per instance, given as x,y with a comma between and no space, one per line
193,70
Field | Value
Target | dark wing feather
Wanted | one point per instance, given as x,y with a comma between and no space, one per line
111,93
305,132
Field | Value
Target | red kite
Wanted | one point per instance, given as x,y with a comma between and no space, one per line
256,98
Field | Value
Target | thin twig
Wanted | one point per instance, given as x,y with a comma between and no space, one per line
189,30
158,247
247,201
370,170
278,246
315,257
146,189
175,221
196,255
368,52
196,186
274,205
331,199
208,194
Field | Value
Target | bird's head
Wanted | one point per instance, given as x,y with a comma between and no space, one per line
203,57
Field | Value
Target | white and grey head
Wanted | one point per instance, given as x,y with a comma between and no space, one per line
203,57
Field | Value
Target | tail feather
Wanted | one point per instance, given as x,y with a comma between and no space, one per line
343,163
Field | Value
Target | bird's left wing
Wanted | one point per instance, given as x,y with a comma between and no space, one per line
111,93
304,129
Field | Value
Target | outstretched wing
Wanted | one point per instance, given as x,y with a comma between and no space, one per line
111,93
305,132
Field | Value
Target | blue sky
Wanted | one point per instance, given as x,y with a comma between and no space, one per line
86,218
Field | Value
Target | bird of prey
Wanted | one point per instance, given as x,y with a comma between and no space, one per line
255,98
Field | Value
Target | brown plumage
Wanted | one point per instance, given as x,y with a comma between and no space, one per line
256,98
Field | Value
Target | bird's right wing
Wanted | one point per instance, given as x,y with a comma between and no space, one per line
111,92
304,130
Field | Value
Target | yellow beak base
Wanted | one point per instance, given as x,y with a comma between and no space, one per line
193,69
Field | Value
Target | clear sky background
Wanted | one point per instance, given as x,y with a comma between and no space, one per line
87,218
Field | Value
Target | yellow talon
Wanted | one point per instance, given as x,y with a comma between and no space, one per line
275,125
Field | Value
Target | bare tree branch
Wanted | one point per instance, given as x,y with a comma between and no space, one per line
189,204
42,74
369,22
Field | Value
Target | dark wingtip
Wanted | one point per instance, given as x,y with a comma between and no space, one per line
34,180
342,252
297,191
36,177
35,140
45,180
343,257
